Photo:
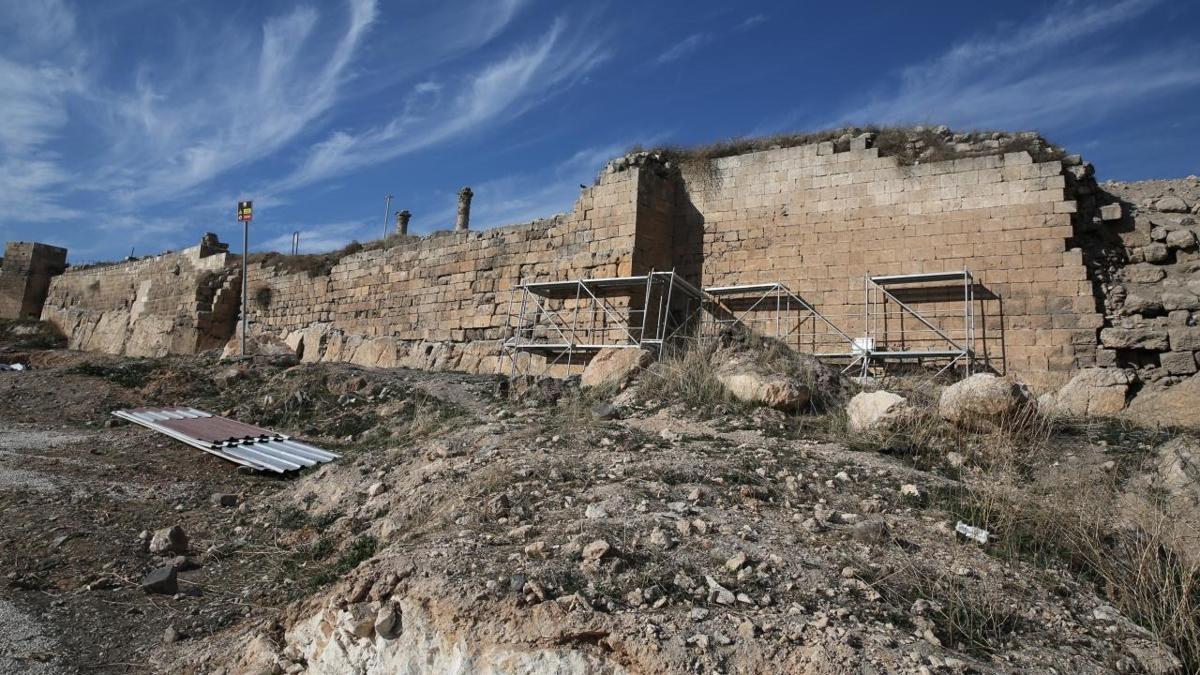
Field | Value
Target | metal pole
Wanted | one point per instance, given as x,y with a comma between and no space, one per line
245,281
387,207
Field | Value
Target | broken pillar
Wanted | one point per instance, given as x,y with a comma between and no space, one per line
25,277
463,221
402,222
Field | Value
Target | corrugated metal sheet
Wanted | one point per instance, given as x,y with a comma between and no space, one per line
240,443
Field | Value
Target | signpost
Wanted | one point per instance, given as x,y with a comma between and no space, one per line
245,211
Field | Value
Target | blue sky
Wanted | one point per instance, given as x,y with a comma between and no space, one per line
139,123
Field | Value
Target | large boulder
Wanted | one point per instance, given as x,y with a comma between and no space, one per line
983,401
777,391
615,367
1179,469
261,344
1177,405
876,410
1093,392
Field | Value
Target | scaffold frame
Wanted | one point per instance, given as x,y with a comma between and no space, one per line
932,342
784,313
567,322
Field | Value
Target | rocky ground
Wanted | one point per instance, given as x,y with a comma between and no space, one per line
465,531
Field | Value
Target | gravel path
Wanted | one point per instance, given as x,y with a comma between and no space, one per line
24,648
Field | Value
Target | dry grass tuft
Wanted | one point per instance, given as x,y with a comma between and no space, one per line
964,613
1133,564
910,144
688,377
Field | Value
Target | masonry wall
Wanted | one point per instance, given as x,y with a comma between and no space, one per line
25,277
818,221
176,303
442,301
809,217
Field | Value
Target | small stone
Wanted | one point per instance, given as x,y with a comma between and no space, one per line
698,614
699,640
171,636
595,512
910,491
161,580
376,489
635,598
725,597
183,563
659,537
387,622
169,540
522,532
225,500
747,630
605,411
873,531
536,550
735,563
595,550
358,620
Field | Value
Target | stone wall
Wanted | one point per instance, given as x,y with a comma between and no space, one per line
815,217
1148,260
819,220
25,277
175,303
442,301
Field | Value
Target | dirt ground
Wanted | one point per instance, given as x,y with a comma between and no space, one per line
76,495
730,540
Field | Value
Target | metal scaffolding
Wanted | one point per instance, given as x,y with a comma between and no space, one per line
563,324
926,320
773,310
894,329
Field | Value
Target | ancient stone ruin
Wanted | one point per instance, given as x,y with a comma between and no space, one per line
1081,276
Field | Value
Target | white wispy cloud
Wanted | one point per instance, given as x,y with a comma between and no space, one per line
1031,74
34,92
752,21
523,197
682,48
321,237
435,112
192,135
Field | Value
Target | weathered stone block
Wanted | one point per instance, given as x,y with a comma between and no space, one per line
1178,363
1155,253
1180,300
1143,274
1185,338
1181,239
1110,212
1134,338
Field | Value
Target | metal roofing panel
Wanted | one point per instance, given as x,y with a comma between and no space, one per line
228,439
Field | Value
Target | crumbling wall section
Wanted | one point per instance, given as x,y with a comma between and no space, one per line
442,302
1146,244
175,303
25,277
